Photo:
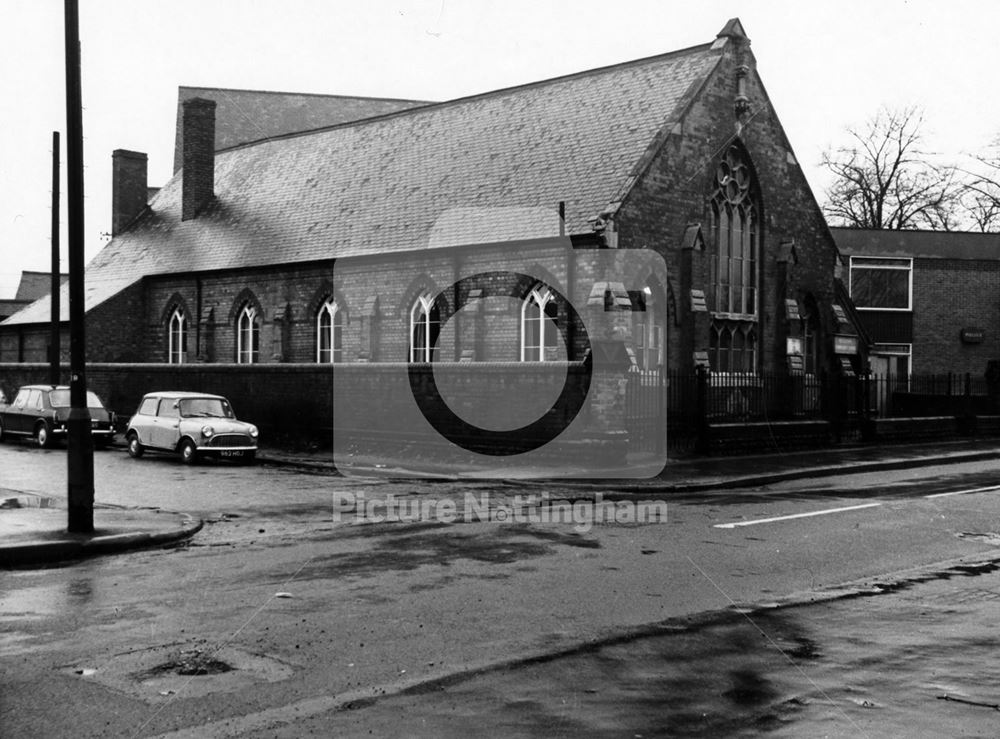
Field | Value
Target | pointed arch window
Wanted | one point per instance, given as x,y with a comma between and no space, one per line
734,264
733,347
539,330
177,337
647,328
329,333
425,325
248,335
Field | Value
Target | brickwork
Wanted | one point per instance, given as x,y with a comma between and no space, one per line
949,295
674,192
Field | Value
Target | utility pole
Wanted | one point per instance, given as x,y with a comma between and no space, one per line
80,455
56,282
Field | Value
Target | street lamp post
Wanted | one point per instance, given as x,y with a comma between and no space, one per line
80,454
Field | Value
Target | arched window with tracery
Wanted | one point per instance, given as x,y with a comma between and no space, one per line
329,333
539,330
734,266
177,336
248,335
648,331
425,325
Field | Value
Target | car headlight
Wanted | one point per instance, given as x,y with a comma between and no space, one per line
207,431
253,432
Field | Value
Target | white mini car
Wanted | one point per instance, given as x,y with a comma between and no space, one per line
192,425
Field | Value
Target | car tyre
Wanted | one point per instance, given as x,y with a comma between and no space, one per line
188,452
42,437
135,447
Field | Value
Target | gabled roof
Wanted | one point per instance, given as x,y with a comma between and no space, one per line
491,167
34,285
918,244
242,116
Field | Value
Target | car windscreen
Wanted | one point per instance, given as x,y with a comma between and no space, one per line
205,407
60,399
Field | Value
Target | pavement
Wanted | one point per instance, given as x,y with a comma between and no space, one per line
33,528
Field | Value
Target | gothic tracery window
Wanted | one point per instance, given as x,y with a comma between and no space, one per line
734,266
177,337
329,332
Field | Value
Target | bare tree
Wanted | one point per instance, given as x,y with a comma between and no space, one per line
885,180
981,192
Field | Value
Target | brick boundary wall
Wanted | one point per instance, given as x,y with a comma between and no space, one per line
293,403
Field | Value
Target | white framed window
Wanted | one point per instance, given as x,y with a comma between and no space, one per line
329,333
425,325
248,335
539,331
882,283
647,329
177,337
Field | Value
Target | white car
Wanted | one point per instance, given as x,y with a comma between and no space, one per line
191,425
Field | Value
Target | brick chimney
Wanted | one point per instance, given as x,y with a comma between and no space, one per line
129,193
198,177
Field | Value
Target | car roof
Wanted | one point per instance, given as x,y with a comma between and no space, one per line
180,394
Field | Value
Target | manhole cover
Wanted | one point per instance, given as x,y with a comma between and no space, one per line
159,673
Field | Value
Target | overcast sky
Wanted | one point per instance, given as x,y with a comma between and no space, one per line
826,64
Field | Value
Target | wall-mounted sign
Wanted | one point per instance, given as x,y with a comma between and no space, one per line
843,344
793,346
972,335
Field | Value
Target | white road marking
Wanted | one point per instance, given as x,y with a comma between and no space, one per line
964,492
795,515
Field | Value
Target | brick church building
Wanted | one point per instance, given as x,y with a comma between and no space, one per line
233,260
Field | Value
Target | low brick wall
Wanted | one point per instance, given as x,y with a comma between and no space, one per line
294,403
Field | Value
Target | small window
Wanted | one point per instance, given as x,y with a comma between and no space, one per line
425,325
177,337
329,333
539,330
147,407
168,408
248,335
22,398
35,400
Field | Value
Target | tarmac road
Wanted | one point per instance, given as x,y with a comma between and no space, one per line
317,614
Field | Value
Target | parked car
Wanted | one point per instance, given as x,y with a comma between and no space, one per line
192,425
42,411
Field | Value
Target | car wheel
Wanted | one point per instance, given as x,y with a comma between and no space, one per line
135,448
42,435
188,452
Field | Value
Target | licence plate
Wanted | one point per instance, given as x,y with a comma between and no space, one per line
230,453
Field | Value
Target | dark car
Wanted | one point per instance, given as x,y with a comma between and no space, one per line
42,411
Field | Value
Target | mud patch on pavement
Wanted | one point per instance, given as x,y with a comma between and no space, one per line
443,545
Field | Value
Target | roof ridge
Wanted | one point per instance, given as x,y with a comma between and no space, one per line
479,95
301,94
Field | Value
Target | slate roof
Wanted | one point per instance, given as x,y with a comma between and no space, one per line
918,244
33,285
490,167
242,116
